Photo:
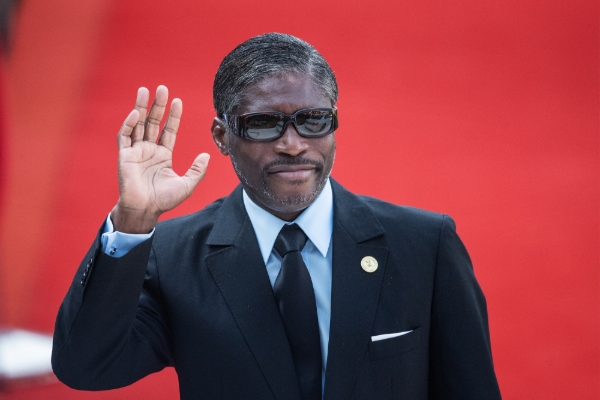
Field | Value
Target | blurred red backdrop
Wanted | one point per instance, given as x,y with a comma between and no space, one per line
487,111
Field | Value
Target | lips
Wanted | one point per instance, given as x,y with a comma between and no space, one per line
290,168
292,171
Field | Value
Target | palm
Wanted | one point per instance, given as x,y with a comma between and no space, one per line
147,179
148,185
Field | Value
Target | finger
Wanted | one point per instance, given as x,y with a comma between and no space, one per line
141,106
124,136
151,128
169,131
197,171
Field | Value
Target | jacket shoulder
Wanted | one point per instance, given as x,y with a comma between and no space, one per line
389,213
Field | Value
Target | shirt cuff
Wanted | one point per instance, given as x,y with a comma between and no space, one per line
117,244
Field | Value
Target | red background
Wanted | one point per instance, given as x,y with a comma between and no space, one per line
487,111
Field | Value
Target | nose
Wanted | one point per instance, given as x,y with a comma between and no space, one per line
291,143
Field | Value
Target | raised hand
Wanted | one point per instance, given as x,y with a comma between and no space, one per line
148,186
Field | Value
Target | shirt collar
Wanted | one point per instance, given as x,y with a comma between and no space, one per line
316,222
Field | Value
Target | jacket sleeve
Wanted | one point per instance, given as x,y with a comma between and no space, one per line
111,329
461,364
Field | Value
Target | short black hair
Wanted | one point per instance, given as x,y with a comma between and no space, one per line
267,55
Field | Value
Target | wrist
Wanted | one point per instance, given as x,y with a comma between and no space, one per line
134,221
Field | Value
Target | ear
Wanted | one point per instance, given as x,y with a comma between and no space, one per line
219,134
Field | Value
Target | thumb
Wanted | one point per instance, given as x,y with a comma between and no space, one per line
198,169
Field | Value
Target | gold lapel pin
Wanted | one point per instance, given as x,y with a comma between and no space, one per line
369,264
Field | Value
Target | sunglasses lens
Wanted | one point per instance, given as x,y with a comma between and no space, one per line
264,126
269,126
314,122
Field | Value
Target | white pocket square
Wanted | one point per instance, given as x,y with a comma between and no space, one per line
388,336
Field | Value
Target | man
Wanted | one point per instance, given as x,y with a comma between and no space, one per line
289,288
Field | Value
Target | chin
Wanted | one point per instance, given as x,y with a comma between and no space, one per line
290,197
295,195
288,200
288,203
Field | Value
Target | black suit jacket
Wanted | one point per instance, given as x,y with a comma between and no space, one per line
197,297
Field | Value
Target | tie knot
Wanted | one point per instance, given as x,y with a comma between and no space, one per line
291,238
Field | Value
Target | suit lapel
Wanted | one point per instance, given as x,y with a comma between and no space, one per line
239,271
354,292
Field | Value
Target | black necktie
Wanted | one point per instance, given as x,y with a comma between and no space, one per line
296,299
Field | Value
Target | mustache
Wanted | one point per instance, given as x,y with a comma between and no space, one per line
293,161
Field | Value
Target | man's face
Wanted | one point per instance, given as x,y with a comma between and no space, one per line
283,176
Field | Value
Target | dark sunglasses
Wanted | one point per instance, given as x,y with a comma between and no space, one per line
309,123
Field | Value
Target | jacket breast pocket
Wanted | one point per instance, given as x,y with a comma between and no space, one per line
395,346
